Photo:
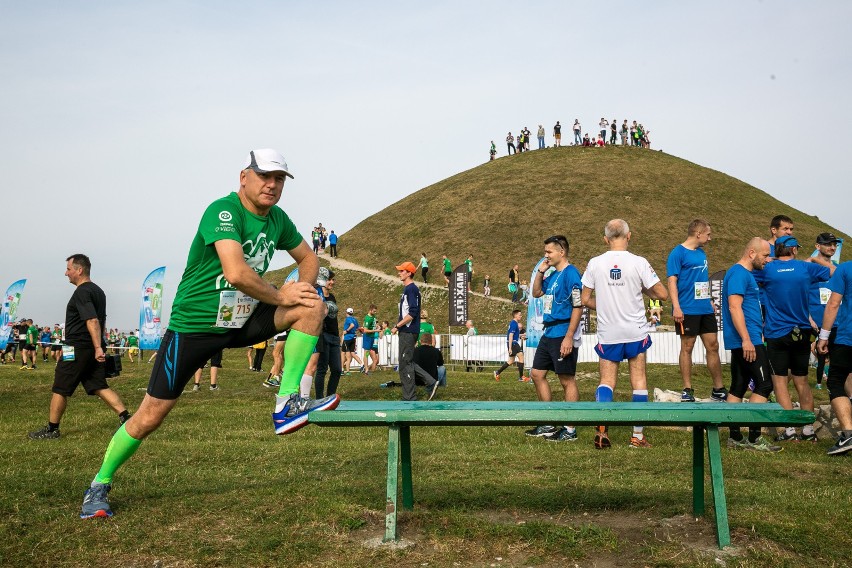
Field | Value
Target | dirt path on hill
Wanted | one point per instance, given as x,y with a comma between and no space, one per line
346,265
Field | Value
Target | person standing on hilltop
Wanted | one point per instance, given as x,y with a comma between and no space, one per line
692,308
577,129
604,125
510,144
332,244
540,137
624,133
613,128
492,152
527,133
469,263
557,134
514,282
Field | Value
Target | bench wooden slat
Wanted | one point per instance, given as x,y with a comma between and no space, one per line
504,413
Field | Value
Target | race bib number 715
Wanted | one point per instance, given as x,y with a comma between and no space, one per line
234,309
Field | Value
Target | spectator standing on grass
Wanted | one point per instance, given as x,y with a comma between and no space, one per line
557,350
329,346
332,242
510,144
613,126
370,340
540,137
350,335
424,267
527,133
83,360
469,263
514,282
826,246
692,308
840,350
787,331
486,286
520,145
557,134
56,342
427,361
492,152
448,269
30,350
407,328
215,365
625,137
618,278
44,342
132,346
513,348
604,126
577,130
742,325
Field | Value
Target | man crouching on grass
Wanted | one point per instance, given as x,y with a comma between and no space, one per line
222,302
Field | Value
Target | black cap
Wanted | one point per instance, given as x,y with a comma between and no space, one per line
826,239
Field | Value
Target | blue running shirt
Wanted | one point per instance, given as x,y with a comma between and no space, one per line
841,283
562,292
514,333
786,284
739,281
693,280
817,299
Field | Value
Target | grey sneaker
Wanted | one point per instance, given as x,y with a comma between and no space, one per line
688,395
761,445
196,387
214,387
562,435
843,445
95,502
294,413
785,437
737,444
44,434
543,430
719,395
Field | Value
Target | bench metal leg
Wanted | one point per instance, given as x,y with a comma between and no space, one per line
392,483
714,449
405,453
698,471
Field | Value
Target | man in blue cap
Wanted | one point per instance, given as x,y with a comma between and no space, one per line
786,282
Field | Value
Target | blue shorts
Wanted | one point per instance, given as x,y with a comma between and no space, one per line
618,352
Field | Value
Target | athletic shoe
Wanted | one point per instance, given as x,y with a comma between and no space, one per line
196,387
639,443
496,376
123,419
24,367
761,445
214,387
95,502
819,386
785,437
541,431
33,369
688,395
602,437
433,391
524,379
563,435
294,414
719,395
44,434
843,445
812,437
272,382
737,444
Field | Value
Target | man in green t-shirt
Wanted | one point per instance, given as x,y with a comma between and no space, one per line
132,345
369,340
30,345
222,301
448,269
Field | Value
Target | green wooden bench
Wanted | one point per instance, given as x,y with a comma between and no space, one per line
708,417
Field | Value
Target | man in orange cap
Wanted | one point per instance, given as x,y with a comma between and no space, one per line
407,328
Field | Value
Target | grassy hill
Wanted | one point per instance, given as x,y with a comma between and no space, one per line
501,211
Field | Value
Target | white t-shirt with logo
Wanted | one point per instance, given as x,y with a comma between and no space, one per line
618,277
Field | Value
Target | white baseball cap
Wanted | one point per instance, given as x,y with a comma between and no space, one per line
266,160
350,311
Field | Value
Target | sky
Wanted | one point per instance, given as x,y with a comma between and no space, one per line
121,121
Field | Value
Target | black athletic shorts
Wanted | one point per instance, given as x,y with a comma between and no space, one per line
516,348
55,347
448,274
84,369
742,372
790,355
348,345
181,354
30,347
216,359
547,357
693,326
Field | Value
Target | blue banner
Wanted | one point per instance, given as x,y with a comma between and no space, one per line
150,326
10,311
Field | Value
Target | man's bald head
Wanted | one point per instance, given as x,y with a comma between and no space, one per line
756,253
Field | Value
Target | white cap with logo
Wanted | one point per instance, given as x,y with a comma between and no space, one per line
266,160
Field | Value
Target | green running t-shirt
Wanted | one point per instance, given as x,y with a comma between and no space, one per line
196,303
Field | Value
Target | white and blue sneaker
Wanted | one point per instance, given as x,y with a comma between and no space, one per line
95,502
291,412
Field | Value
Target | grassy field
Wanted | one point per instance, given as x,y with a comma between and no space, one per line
215,487
501,211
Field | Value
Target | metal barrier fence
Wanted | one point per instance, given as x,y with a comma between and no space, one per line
481,351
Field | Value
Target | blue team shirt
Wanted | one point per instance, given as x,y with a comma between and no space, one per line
514,333
841,283
565,287
815,297
350,320
786,284
693,280
739,281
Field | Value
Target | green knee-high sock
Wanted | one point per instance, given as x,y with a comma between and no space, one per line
297,352
120,448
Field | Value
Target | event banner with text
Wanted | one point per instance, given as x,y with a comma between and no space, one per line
150,327
10,311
